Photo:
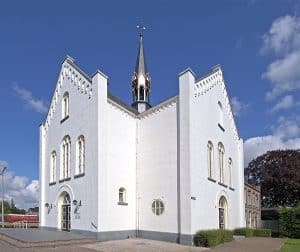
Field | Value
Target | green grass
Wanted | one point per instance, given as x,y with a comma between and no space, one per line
291,245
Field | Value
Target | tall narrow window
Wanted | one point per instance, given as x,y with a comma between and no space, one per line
65,157
221,116
122,195
53,167
221,161
223,209
210,158
80,153
230,171
142,93
65,105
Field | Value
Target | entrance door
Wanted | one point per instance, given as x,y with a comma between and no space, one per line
66,217
221,218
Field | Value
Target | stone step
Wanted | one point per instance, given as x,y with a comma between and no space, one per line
20,243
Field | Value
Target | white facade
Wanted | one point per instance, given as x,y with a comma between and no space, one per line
143,174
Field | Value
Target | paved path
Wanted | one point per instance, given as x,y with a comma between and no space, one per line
257,244
40,234
141,245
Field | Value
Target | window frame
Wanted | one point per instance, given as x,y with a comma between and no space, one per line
221,150
80,156
210,159
65,171
158,207
65,106
53,167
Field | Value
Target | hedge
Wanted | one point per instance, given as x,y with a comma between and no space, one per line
290,222
211,238
250,232
260,232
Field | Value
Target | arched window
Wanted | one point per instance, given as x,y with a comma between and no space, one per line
80,155
65,158
158,207
223,213
142,95
210,158
221,115
53,167
65,105
230,171
221,161
122,195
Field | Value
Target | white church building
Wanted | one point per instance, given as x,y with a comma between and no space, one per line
161,172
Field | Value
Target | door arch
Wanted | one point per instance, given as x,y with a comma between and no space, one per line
223,213
64,212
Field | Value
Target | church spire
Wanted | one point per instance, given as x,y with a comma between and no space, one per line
141,78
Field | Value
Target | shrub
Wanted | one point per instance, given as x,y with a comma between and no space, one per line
211,238
248,232
262,232
290,222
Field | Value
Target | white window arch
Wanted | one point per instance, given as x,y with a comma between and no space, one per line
65,105
210,158
65,158
53,167
230,171
221,150
80,155
122,195
221,114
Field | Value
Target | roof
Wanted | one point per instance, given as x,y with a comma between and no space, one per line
141,66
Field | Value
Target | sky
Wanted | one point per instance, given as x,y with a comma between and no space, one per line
256,42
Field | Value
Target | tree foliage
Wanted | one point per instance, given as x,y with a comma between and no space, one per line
10,208
278,174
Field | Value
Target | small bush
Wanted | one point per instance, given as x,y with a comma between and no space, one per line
290,222
211,238
259,232
248,232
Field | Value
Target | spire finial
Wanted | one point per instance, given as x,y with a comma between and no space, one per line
141,29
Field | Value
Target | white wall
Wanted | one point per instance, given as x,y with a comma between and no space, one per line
120,171
204,127
81,121
157,167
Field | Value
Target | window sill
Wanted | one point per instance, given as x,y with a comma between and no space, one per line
122,203
221,127
65,179
64,119
79,175
211,179
231,188
222,184
52,183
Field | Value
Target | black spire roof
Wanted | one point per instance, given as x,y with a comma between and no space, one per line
141,66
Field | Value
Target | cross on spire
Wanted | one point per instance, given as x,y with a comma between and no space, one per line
141,29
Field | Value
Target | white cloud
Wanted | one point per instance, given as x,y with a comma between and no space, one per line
283,40
37,104
286,135
24,192
285,103
237,106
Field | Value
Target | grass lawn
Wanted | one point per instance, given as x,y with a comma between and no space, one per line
291,245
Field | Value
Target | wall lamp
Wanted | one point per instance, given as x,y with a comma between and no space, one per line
76,203
49,206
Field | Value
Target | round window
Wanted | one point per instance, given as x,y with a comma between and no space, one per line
158,207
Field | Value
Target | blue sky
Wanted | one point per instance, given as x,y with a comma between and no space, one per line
254,41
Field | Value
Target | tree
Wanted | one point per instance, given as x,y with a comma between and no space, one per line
278,174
